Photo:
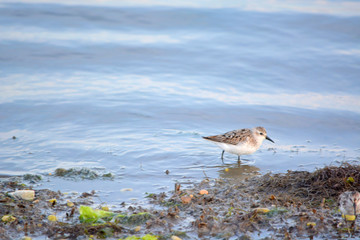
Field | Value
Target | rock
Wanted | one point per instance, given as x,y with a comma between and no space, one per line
23,194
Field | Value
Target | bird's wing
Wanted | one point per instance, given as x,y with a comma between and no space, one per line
232,137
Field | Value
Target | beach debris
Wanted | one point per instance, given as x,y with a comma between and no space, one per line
349,217
69,203
312,187
185,199
32,178
107,175
53,202
177,187
61,172
133,219
281,205
23,194
175,238
8,218
350,180
52,218
203,192
276,211
126,190
105,208
90,215
71,214
81,173
349,205
262,210
150,195
145,237
311,224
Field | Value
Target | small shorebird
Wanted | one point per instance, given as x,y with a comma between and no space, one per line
349,204
240,142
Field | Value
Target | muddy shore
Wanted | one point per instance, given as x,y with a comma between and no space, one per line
294,205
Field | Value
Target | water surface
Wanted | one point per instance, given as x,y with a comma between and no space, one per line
130,89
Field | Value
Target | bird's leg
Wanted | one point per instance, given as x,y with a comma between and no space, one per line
222,155
238,158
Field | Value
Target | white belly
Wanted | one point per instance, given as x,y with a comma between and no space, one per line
243,149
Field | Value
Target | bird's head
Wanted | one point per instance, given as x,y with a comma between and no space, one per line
260,132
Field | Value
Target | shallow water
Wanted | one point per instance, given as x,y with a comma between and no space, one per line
130,89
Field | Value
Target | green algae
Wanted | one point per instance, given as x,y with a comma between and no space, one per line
133,219
81,173
145,237
90,215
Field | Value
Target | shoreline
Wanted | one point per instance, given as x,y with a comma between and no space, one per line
292,205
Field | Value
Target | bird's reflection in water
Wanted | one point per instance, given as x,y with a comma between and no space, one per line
238,172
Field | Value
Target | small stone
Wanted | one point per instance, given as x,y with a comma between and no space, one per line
23,194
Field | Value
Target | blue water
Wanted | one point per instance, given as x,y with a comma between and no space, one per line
130,89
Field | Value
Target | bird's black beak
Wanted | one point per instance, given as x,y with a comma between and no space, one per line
267,138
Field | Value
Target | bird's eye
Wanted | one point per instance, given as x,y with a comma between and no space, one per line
261,133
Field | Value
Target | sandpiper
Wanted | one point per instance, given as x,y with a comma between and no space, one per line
349,205
240,142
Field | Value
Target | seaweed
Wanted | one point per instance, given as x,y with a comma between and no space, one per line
313,188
